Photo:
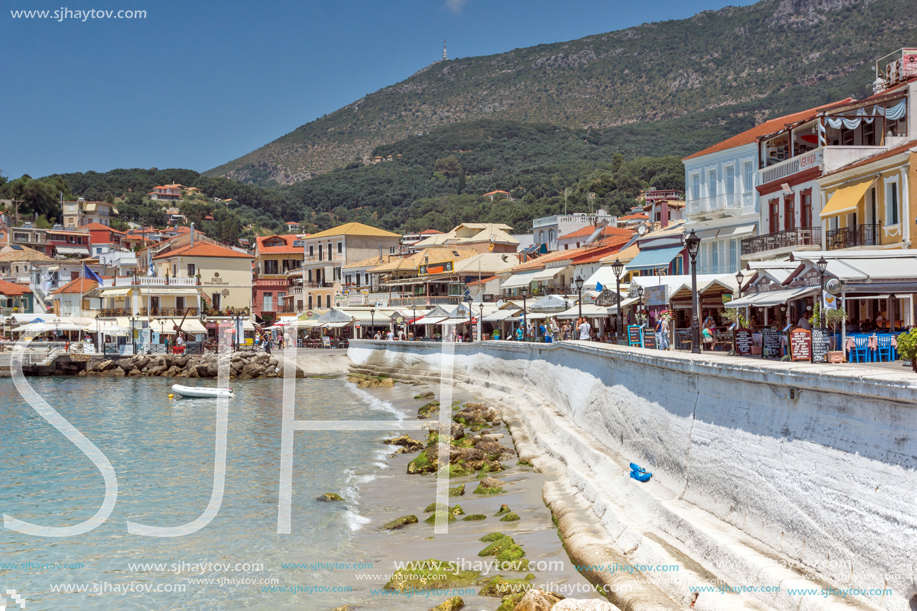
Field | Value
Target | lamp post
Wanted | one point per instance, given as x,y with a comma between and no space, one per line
640,291
692,243
739,278
822,265
481,322
579,290
525,320
618,268
133,344
413,318
372,321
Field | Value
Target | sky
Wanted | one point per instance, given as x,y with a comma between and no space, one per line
196,84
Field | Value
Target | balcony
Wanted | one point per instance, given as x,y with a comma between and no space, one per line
851,237
324,258
722,204
423,300
271,282
318,285
789,238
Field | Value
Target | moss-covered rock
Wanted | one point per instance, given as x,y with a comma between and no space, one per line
448,515
400,522
457,491
474,517
482,489
330,497
405,441
457,510
426,395
431,574
504,509
499,543
425,462
499,586
436,507
453,604
510,517
426,410
509,554
509,602
491,537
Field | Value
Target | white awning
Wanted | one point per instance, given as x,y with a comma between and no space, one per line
501,315
248,325
115,292
772,298
432,320
336,325
547,274
518,280
71,250
590,310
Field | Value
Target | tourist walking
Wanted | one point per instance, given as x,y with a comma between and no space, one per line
584,329
519,334
662,333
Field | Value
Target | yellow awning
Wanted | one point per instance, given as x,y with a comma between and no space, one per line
116,292
846,199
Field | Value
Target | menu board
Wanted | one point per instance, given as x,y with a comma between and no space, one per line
649,339
770,341
744,342
819,347
800,344
633,336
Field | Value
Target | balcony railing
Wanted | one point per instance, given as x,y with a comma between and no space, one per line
318,285
851,237
722,202
315,258
424,300
803,236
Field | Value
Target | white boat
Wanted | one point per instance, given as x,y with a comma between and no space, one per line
202,391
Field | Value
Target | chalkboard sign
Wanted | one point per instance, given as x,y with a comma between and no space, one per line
800,344
819,347
770,341
633,336
649,339
744,342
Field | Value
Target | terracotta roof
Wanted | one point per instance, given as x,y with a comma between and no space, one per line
99,226
494,193
371,261
630,217
26,254
768,127
901,148
585,232
483,280
430,231
287,247
624,255
433,255
80,285
11,289
354,229
602,247
203,249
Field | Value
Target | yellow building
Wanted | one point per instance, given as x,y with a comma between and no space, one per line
871,203
225,274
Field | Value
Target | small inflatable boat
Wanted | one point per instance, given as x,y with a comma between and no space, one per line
202,392
639,473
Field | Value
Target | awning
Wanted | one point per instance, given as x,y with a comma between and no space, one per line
431,320
624,304
115,292
248,325
336,325
501,315
731,232
71,250
178,292
846,199
772,298
518,280
547,274
654,259
589,311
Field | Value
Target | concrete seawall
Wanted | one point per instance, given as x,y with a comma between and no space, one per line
766,474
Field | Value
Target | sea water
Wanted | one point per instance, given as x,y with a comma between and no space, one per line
162,451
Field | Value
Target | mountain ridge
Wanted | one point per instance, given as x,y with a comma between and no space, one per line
752,62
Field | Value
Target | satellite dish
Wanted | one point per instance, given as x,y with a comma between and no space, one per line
833,286
641,229
500,303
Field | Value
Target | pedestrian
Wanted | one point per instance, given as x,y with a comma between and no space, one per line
662,333
584,329
267,344
519,334
390,336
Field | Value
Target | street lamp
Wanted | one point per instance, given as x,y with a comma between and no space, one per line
481,322
739,278
579,289
822,265
372,321
525,319
413,317
133,344
470,333
692,243
618,268
640,291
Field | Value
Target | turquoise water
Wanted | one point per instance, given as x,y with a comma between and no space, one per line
162,452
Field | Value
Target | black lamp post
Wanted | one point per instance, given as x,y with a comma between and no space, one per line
822,265
470,330
618,268
133,342
481,322
525,319
579,289
372,321
640,291
413,317
739,278
692,243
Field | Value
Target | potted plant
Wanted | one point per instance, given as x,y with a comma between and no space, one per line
907,347
834,319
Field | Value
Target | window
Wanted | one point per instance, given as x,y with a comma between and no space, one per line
892,215
774,215
733,255
270,266
337,274
267,302
329,251
328,301
749,177
730,179
192,270
695,186
347,279
805,211
309,301
311,251
715,257
340,247
789,212
180,303
711,180
309,275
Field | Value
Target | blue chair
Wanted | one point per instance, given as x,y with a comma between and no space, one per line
885,347
860,352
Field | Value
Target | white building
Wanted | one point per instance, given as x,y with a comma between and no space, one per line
547,230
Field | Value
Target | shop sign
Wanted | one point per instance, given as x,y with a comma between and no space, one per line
654,295
446,267
800,344
649,339
744,341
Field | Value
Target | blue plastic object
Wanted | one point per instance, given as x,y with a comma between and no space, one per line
641,477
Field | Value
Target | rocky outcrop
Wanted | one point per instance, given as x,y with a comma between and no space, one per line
242,366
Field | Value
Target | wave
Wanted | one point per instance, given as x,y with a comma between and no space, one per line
372,402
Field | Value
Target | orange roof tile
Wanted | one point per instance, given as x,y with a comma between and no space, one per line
768,127
11,289
585,232
631,217
287,248
204,249
80,285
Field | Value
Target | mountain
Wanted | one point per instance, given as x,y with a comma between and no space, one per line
677,85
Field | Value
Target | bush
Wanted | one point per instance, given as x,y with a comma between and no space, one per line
907,345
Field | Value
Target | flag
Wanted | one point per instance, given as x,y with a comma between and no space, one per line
150,271
829,300
598,286
91,275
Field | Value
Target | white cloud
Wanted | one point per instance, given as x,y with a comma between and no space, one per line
455,5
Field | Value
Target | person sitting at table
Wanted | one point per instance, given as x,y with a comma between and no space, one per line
853,327
709,336
881,321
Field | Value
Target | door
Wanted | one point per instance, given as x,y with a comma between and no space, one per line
805,212
774,220
154,305
789,212
216,301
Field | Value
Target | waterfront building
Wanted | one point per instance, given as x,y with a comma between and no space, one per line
30,237
224,275
326,254
16,263
67,244
80,212
662,252
275,257
360,287
590,234
410,240
547,230
73,299
15,299
482,237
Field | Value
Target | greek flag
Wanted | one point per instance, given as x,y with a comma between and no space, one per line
91,275
598,287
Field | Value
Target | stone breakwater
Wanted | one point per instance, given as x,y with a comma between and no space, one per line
242,366
790,481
